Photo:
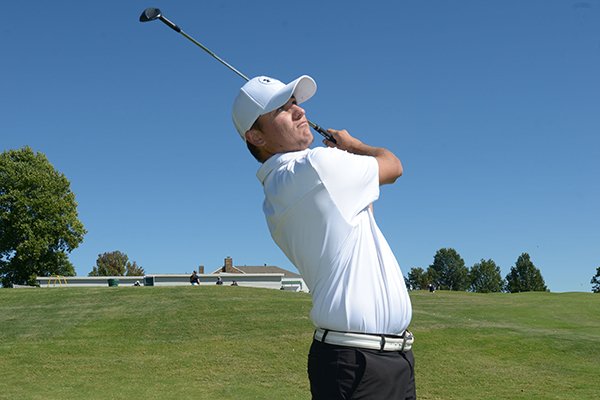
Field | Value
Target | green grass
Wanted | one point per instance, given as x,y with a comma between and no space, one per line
507,346
244,343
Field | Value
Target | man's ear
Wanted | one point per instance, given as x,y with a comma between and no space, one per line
255,137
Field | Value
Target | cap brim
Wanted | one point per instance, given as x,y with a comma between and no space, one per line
302,88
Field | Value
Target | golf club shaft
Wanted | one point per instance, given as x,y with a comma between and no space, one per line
177,29
203,47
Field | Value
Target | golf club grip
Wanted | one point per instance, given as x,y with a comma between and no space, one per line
322,132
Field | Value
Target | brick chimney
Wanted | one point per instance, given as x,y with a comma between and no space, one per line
228,266
201,269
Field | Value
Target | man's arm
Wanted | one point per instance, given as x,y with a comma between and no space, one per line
390,167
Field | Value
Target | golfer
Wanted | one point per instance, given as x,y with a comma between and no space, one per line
318,206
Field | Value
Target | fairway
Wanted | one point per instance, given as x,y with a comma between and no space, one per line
244,343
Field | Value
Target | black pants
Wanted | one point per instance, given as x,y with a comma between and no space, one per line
338,372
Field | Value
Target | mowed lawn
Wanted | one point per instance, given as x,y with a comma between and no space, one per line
214,342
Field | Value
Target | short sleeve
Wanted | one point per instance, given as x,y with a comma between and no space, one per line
352,180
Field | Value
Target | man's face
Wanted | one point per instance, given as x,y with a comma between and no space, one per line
282,130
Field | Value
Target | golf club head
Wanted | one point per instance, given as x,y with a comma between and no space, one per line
150,14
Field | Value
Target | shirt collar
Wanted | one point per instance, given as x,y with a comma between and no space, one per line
277,160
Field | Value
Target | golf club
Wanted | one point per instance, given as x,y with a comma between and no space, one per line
151,14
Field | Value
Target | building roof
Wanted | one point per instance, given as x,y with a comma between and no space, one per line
266,269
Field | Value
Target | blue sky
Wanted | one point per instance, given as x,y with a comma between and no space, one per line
493,107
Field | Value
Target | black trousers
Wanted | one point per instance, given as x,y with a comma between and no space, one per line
339,372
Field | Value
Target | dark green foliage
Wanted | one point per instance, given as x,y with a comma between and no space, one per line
448,270
485,277
525,277
115,263
418,279
596,281
39,224
134,269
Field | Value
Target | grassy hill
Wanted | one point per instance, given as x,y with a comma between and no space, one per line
243,343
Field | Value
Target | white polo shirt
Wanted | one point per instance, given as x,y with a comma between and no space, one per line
317,209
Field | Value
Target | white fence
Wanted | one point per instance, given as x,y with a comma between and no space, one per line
269,281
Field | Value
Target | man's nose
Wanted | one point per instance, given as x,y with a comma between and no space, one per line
298,111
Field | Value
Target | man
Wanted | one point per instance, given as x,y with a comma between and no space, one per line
194,279
318,206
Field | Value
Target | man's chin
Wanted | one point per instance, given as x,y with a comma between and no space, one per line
305,143
310,139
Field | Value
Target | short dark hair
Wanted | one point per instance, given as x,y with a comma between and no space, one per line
255,151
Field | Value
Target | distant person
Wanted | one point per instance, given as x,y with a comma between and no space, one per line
431,287
219,281
194,279
318,207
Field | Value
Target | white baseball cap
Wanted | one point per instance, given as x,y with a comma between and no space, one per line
261,95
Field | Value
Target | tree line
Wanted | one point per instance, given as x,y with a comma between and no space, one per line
40,226
448,272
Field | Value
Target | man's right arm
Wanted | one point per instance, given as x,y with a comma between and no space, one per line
390,167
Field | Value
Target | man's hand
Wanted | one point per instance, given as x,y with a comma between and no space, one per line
390,167
344,141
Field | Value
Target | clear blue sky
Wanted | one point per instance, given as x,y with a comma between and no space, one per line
493,107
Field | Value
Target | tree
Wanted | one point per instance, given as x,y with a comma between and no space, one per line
485,277
525,277
596,281
448,270
115,263
418,279
134,270
39,224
